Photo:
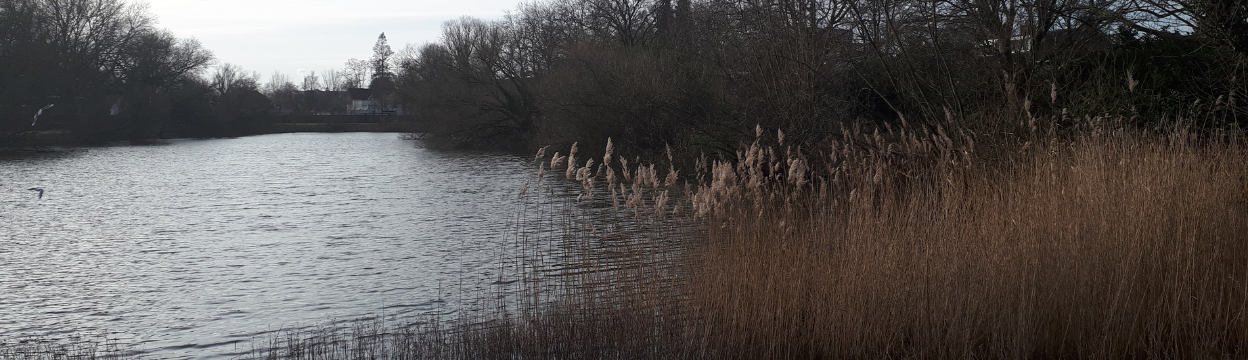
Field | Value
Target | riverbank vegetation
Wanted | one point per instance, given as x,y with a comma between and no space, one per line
1109,243
850,179
94,71
699,75
100,70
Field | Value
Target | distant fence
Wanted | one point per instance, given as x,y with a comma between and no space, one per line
339,123
273,128
342,119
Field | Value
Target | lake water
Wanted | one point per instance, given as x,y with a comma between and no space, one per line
195,247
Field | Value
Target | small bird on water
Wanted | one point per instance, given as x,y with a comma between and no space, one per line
40,190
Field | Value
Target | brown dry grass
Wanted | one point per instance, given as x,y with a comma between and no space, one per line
1105,246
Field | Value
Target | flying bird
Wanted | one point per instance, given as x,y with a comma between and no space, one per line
40,190
40,112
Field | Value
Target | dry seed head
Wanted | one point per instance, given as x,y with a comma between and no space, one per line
581,174
628,175
671,177
556,160
660,203
1053,92
758,131
780,136
653,177
797,172
634,200
541,153
571,171
606,159
1131,82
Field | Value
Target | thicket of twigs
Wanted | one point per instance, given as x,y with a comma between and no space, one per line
700,74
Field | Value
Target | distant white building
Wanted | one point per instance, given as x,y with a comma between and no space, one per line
367,102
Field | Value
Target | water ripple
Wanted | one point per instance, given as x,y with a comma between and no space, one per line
192,247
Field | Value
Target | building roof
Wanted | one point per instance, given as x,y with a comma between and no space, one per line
360,94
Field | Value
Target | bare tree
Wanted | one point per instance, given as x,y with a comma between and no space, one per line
1224,21
310,82
628,22
334,80
356,73
229,77
158,58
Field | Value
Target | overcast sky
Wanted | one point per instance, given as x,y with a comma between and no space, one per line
294,36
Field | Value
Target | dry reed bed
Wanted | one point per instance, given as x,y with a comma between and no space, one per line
1105,246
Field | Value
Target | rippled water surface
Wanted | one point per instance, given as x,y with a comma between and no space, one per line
194,247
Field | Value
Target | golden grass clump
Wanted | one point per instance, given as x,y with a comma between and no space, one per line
1106,246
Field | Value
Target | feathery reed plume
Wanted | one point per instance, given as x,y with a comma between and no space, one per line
541,153
571,171
660,203
628,175
556,160
606,158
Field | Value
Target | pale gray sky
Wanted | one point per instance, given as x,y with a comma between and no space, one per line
292,36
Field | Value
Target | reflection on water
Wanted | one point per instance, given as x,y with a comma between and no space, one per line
193,248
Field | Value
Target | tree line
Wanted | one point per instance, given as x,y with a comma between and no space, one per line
701,74
325,92
109,74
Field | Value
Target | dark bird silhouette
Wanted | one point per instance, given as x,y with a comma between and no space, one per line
40,190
